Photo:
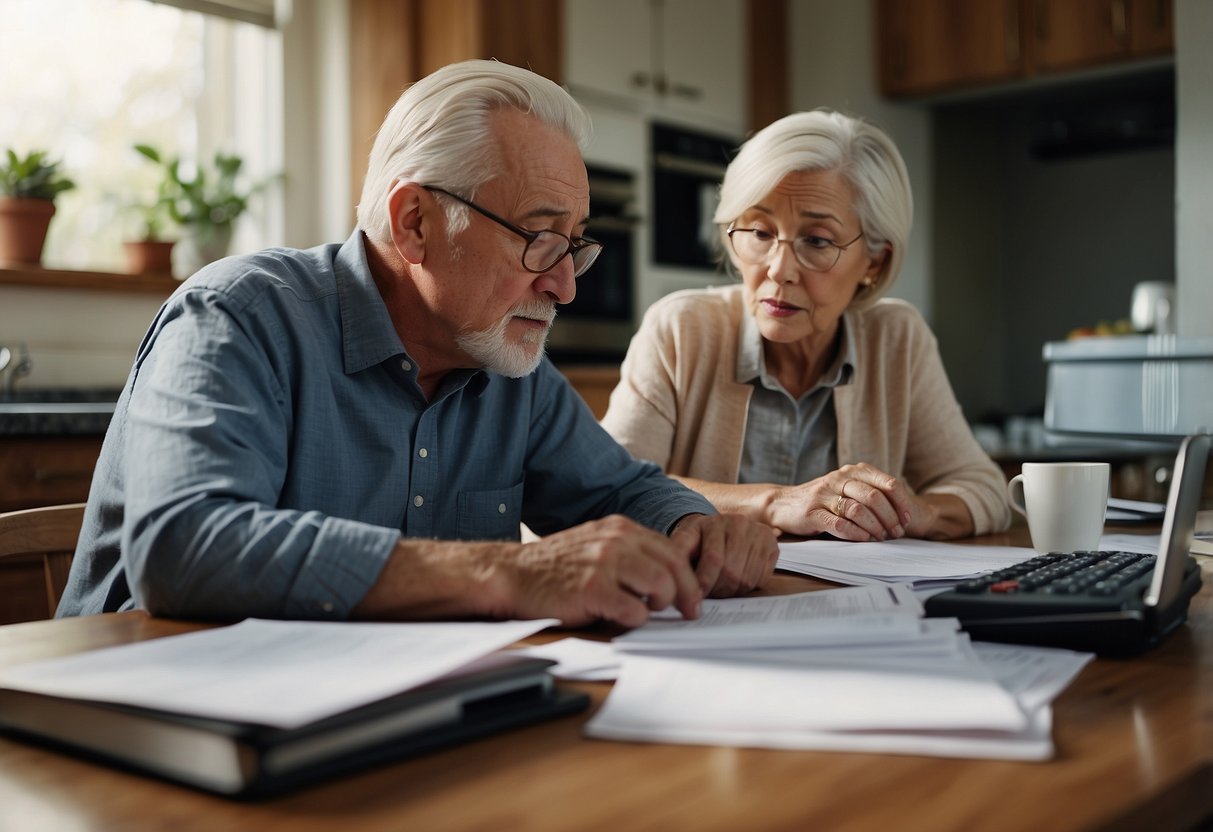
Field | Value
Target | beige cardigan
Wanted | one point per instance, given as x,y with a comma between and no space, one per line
679,404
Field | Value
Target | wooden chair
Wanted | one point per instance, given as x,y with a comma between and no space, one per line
36,549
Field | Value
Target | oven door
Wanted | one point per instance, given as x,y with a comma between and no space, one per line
597,325
688,168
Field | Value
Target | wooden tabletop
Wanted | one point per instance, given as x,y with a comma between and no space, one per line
1133,739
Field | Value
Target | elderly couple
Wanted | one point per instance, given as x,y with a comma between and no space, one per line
358,430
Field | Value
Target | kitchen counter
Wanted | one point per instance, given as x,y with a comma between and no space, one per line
75,412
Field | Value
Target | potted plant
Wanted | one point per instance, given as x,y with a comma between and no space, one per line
151,252
205,202
28,187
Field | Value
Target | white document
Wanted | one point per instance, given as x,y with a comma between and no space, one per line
579,659
278,673
660,703
916,562
1146,543
658,696
833,616
1035,675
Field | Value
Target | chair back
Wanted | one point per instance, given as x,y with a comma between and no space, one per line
36,549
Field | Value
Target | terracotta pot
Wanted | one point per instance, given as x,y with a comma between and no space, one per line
23,226
149,256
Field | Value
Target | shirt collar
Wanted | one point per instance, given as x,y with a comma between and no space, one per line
368,335
751,365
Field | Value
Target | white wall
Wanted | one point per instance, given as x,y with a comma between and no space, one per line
1194,165
834,65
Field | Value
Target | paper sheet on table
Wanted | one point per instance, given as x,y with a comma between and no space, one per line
1147,543
832,616
1032,675
916,562
580,659
597,661
657,694
279,673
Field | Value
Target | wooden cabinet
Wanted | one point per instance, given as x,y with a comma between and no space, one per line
685,57
927,46
526,33
1073,34
43,471
395,42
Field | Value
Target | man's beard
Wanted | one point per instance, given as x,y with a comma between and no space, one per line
492,350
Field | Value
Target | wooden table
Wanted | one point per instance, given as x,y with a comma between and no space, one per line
1134,750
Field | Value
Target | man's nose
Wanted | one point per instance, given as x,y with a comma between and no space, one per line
558,281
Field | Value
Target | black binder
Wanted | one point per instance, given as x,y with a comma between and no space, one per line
238,759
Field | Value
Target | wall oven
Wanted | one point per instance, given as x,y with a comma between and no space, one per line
687,169
598,324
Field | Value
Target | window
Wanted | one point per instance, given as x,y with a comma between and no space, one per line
97,76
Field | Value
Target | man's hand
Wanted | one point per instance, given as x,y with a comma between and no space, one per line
733,554
612,569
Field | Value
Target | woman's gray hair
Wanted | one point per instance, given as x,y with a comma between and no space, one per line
438,133
826,140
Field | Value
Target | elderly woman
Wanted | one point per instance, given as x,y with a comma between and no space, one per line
801,398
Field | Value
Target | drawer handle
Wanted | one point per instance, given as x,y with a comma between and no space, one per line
53,475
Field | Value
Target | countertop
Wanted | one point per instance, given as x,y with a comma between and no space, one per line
60,412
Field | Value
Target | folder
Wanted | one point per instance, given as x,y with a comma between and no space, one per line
239,759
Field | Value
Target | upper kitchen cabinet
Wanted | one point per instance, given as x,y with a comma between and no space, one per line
526,33
930,46
677,57
1072,34
395,42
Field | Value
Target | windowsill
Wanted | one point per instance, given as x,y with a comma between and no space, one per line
37,277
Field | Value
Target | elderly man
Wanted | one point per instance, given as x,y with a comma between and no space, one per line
358,430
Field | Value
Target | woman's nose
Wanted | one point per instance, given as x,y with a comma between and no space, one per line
782,267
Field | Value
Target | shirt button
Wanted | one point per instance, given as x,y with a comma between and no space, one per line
501,509
406,366
327,606
423,453
418,501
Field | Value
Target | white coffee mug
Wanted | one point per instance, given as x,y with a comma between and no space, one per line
1064,502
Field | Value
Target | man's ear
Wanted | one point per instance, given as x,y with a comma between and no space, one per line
410,223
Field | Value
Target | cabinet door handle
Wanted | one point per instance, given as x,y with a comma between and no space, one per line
685,91
59,474
1012,45
1120,29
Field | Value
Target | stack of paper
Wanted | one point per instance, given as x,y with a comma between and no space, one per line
922,564
852,669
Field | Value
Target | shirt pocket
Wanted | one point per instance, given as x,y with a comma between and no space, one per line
491,515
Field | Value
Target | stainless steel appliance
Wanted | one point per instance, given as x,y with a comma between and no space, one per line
688,167
598,324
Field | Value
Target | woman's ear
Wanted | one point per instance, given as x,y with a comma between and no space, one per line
406,205
876,265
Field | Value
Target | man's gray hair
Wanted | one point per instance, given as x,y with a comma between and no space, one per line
826,140
438,133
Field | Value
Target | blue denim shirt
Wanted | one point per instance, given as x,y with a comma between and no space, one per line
272,445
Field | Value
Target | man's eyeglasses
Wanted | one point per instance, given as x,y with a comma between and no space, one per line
757,246
544,249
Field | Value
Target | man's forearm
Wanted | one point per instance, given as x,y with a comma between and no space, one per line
427,579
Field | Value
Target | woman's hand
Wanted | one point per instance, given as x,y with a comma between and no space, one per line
856,502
